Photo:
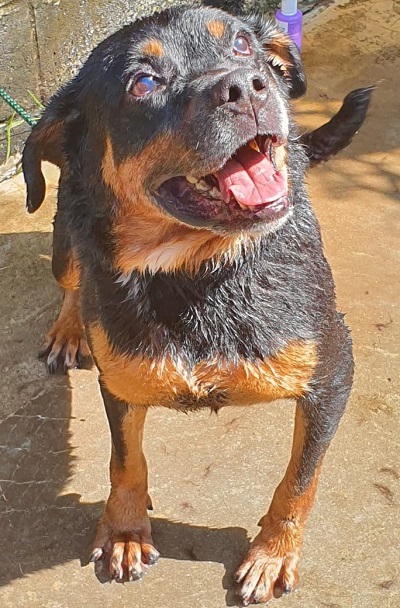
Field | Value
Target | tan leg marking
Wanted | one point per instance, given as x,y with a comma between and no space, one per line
71,276
124,534
272,561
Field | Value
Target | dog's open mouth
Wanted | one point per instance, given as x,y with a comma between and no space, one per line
251,185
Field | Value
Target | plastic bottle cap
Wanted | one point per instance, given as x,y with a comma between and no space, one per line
289,7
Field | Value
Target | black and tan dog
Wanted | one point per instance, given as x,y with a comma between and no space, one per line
188,250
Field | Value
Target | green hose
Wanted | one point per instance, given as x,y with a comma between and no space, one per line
17,108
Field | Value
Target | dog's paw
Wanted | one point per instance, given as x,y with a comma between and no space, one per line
269,569
126,551
64,348
65,345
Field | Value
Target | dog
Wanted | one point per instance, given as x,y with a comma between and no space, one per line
191,259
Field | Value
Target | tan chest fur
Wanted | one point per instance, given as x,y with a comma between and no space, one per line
142,381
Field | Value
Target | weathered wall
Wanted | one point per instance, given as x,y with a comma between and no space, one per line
43,43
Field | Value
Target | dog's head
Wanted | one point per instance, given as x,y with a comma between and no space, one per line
184,115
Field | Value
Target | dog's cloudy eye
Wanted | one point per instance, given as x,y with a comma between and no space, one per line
143,85
241,46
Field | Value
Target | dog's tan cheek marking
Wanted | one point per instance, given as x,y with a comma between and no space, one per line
278,46
147,238
109,170
127,178
141,381
216,28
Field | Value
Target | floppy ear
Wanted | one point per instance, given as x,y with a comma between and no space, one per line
46,143
281,53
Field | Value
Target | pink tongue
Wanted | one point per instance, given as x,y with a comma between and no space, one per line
251,179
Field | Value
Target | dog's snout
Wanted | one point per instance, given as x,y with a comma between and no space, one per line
240,87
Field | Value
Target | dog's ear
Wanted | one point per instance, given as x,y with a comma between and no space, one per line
281,53
46,143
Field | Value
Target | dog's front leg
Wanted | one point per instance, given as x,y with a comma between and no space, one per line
123,538
271,565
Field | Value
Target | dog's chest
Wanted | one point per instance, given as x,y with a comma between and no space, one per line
211,382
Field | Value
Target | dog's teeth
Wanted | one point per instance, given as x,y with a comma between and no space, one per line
253,144
191,179
239,203
215,193
272,156
201,186
279,155
276,154
269,151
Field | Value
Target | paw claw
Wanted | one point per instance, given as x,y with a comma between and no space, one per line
239,576
152,557
134,575
127,554
96,554
118,575
65,344
268,567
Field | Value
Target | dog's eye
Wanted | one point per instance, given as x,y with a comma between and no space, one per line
143,85
241,46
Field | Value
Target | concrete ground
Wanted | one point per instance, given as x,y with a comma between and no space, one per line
211,477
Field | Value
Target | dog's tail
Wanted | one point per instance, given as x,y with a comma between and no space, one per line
335,135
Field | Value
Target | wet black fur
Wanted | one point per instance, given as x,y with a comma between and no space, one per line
267,298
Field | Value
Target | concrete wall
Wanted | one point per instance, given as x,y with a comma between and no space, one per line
43,43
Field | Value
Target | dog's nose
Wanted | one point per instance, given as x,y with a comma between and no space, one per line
240,88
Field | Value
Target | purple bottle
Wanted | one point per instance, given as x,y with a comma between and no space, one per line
290,19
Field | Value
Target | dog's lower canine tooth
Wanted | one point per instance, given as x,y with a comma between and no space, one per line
238,202
191,179
269,151
279,156
202,186
215,193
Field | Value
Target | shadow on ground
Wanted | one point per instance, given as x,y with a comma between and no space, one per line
41,529
39,526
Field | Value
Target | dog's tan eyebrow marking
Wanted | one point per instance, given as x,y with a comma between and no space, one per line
153,47
216,28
